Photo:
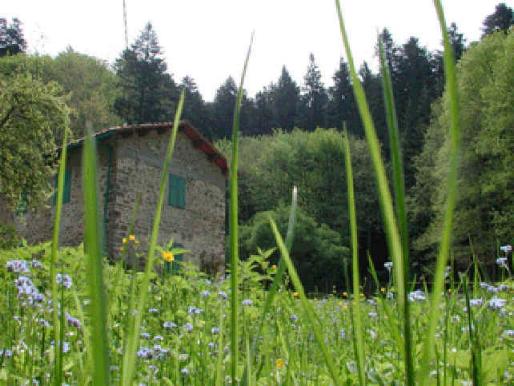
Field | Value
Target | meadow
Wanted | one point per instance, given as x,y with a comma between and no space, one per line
72,317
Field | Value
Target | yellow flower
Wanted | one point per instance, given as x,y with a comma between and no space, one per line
280,363
345,294
274,267
132,237
295,294
124,241
168,256
383,290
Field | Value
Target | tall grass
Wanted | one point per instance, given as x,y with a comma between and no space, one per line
399,195
310,315
394,241
357,320
451,200
93,247
233,223
129,357
53,261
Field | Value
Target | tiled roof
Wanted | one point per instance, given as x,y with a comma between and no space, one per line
199,141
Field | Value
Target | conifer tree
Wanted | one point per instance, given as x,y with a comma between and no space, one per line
313,101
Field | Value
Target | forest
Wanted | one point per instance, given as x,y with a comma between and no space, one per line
291,136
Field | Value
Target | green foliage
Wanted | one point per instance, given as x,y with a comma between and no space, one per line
485,207
500,20
271,165
32,115
8,237
317,250
313,101
147,92
12,41
87,82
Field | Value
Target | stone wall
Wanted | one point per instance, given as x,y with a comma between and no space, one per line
200,227
37,224
136,162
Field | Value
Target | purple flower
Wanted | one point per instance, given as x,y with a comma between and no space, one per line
17,266
169,325
64,280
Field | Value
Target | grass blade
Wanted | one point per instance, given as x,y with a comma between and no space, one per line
129,358
399,193
93,249
307,307
386,203
357,322
53,260
451,199
233,224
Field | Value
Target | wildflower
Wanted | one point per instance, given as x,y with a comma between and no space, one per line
153,310
169,325
17,266
5,353
501,261
247,302
372,315
506,248
168,256
345,294
503,287
476,302
36,264
274,267
158,338
74,322
215,330
372,334
153,368
144,353
132,237
455,318
417,295
342,333
294,318
64,280
205,293
184,371
124,240
222,295
280,363
497,303
192,310
383,290
145,335
211,345
295,294
388,265
183,357
509,333
188,327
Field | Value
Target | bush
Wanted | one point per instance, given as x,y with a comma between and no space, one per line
317,250
8,237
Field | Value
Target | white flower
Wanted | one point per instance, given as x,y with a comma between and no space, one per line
476,302
506,248
417,295
388,265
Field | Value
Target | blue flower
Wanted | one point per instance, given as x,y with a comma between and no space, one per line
144,353
64,280
247,302
169,325
215,330
188,327
205,293
17,266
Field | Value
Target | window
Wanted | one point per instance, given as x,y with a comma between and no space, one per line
177,191
66,196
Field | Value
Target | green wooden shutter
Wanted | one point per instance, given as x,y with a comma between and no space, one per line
177,191
66,197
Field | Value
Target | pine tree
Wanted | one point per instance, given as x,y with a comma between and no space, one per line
223,109
501,20
262,119
12,41
195,110
285,98
313,101
341,102
148,92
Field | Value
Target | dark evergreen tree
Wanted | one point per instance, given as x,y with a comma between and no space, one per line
341,102
416,87
223,109
147,92
261,121
12,41
501,20
195,109
313,101
285,98
372,85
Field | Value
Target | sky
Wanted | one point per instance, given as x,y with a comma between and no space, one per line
207,39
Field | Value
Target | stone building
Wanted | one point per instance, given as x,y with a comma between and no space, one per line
129,165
